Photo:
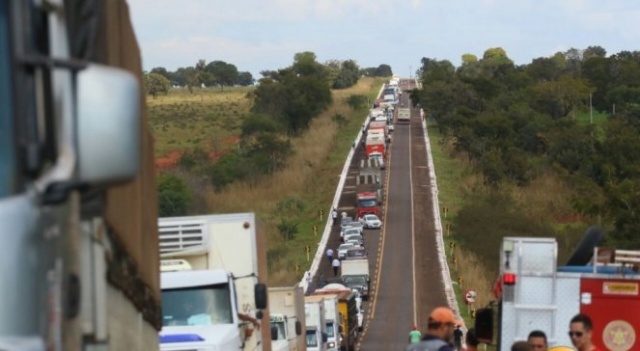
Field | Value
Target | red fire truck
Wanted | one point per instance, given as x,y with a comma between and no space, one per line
535,294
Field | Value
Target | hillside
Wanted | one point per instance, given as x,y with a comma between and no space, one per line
287,201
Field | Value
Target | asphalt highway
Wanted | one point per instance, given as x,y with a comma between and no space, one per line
406,278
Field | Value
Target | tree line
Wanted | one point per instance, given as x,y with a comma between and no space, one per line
515,122
342,75
283,105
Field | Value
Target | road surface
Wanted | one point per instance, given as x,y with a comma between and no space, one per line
406,274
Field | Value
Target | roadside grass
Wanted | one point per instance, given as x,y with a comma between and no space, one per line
545,203
205,118
311,175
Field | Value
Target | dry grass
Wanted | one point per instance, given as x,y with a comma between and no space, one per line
183,120
468,266
546,195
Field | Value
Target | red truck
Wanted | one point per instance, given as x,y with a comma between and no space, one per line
369,194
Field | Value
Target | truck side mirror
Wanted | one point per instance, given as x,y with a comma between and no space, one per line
340,329
325,337
260,292
274,332
108,125
484,325
298,328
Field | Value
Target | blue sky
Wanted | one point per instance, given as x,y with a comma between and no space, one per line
258,35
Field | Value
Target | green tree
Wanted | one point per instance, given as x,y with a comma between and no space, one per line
156,84
199,76
163,72
245,79
174,198
221,74
347,76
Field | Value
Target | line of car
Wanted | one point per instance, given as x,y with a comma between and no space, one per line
351,232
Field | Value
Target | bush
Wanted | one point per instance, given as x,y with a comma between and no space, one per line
174,198
357,101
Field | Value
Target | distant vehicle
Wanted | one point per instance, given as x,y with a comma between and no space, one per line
350,231
371,221
360,282
354,237
355,253
378,156
351,224
342,250
355,242
345,220
391,128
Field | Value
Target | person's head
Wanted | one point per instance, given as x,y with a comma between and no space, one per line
580,331
414,328
521,346
538,340
471,339
442,323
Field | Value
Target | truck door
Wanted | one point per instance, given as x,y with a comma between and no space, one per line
613,306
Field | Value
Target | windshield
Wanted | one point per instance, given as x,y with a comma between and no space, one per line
356,253
8,169
367,203
371,218
279,326
353,279
345,247
206,305
330,333
312,338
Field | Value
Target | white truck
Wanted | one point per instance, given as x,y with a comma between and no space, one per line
316,330
212,295
404,115
286,310
534,293
332,319
355,275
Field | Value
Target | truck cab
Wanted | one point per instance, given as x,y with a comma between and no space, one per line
214,260
199,311
316,334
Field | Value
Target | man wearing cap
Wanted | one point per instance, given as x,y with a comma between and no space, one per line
442,323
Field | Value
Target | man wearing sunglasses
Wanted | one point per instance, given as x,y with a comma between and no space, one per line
580,329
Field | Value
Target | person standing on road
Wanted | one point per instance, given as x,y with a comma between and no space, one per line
457,338
440,328
309,281
580,329
414,335
334,215
336,266
330,255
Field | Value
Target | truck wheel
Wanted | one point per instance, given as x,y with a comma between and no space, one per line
584,250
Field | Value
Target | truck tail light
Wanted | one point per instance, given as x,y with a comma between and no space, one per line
509,279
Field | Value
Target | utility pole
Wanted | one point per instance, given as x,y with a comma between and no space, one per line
409,72
590,108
